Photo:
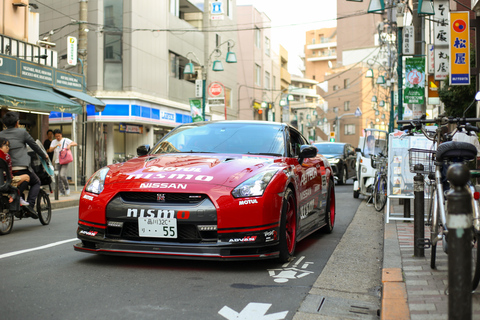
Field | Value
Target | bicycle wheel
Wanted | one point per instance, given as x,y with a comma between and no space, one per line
44,208
380,195
6,221
475,259
433,221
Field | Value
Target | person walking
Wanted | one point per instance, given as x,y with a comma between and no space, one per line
18,139
57,145
47,142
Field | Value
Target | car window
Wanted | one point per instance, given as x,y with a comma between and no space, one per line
296,141
329,148
230,137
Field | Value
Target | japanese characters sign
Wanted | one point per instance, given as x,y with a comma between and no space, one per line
415,80
441,36
408,41
459,48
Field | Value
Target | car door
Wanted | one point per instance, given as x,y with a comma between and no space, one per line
309,184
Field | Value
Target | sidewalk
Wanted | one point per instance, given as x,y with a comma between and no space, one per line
407,287
65,201
426,288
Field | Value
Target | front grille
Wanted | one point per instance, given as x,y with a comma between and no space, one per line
151,197
186,233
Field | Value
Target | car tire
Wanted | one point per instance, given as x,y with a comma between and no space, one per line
356,194
288,227
330,210
343,177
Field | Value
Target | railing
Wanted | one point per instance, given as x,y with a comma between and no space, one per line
27,51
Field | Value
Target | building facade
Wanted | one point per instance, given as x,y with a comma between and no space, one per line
320,52
134,62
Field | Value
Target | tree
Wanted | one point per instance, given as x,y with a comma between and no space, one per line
458,98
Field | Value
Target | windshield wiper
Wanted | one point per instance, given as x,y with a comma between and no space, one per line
265,154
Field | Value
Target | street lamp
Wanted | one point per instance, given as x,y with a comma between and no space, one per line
217,66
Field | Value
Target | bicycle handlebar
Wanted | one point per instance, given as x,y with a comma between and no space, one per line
442,119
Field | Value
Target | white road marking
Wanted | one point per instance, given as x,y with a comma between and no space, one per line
253,310
14,253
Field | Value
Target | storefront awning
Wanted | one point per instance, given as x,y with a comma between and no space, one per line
36,99
99,105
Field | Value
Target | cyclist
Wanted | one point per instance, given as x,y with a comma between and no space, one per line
18,139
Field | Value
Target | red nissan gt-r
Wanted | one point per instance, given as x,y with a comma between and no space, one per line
221,190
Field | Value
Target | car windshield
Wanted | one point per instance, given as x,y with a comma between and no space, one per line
327,148
224,137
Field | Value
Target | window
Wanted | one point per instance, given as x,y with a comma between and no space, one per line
174,8
258,72
346,83
274,84
112,43
218,39
349,129
313,52
267,80
230,9
267,46
335,109
346,106
257,38
335,88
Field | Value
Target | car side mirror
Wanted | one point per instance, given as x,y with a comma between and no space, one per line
143,150
307,151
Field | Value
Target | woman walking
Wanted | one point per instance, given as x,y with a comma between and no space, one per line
58,144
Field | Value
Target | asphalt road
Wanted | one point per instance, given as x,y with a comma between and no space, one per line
44,278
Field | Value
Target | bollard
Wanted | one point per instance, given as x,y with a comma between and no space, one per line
459,223
406,208
56,184
418,213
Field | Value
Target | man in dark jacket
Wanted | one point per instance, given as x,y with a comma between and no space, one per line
20,158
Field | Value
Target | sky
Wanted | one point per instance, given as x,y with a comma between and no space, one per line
290,21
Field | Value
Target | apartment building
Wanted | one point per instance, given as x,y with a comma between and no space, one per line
320,52
259,90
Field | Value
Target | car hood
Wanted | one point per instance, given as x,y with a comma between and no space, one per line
218,169
332,156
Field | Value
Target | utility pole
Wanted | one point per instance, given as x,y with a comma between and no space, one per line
400,18
82,52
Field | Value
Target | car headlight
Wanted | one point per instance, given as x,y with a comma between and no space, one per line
255,186
364,169
333,160
97,181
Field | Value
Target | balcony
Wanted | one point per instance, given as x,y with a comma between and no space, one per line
27,51
317,46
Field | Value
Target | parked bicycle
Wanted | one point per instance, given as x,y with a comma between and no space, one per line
380,163
434,164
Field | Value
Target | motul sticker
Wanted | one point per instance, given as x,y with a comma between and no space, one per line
241,203
89,233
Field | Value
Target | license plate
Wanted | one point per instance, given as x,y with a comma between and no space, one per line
157,227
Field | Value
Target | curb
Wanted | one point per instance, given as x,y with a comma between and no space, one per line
394,292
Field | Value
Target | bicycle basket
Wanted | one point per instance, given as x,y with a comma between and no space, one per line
421,156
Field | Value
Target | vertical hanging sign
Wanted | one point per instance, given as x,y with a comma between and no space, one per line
72,51
459,48
196,110
415,80
408,41
441,37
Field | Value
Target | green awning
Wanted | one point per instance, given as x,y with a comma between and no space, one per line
99,105
36,99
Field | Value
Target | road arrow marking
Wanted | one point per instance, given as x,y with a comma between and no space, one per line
253,310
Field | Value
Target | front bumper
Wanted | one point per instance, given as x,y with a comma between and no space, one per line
238,246
197,234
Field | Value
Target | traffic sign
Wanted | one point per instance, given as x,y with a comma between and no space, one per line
215,89
358,112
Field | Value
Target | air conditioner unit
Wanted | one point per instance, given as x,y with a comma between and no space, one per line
20,3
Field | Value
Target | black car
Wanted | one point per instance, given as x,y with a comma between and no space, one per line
342,158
